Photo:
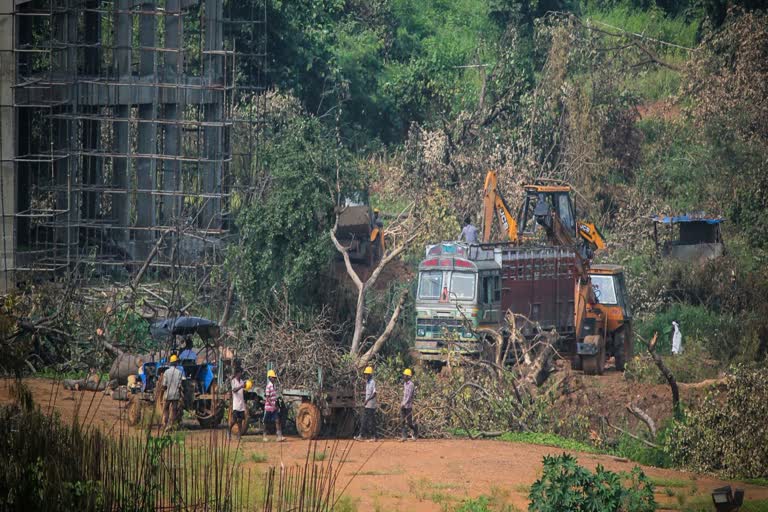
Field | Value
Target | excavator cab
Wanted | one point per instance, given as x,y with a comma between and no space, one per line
542,207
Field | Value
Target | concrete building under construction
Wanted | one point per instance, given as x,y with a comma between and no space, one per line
117,120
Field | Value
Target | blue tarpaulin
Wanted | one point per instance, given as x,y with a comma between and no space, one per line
686,218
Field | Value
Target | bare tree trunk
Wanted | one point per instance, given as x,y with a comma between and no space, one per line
361,315
365,358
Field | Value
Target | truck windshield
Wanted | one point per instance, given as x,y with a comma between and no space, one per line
430,285
605,290
463,286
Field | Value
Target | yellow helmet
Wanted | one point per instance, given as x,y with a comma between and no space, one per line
248,385
376,210
174,358
271,373
368,370
408,372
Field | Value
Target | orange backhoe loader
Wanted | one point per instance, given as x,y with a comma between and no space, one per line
602,316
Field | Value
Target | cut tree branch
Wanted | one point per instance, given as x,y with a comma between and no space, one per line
630,434
644,417
667,375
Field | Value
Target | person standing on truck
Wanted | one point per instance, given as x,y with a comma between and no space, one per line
406,406
271,409
237,414
368,428
469,232
172,387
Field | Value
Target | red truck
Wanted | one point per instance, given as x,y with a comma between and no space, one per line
461,283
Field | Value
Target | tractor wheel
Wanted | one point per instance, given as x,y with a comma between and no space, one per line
595,364
135,410
209,416
308,420
209,413
627,346
345,423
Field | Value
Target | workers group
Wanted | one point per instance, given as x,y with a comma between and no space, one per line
368,425
238,415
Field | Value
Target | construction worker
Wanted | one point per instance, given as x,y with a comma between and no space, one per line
172,386
469,232
237,416
369,407
271,409
406,406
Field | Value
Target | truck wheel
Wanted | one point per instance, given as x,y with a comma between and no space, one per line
308,420
619,349
135,410
594,364
576,363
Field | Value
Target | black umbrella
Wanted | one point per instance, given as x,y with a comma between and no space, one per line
185,325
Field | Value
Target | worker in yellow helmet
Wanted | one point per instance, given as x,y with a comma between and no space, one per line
406,406
172,378
271,409
368,427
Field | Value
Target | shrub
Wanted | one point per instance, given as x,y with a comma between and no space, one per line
565,485
693,365
728,434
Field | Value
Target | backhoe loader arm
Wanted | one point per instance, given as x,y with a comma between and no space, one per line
493,202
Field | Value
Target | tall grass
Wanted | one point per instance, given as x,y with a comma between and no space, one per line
49,465
653,22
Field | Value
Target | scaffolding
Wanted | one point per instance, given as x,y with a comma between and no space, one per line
116,125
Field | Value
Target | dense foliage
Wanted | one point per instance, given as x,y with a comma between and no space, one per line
728,433
564,485
284,226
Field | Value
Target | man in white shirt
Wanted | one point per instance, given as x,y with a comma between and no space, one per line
469,232
172,386
238,403
369,407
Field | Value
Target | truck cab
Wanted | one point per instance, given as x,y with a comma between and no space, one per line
459,289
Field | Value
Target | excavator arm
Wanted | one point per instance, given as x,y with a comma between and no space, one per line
494,203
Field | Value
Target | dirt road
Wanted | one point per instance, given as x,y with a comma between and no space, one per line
428,475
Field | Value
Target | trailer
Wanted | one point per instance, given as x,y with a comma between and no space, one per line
314,412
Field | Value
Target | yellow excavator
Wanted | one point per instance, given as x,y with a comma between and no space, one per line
602,317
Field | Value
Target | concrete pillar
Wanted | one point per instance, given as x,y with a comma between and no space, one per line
122,61
213,112
147,135
91,129
7,148
172,71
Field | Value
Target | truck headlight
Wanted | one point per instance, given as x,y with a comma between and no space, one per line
420,332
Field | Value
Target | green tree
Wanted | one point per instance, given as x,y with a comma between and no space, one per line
283,229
